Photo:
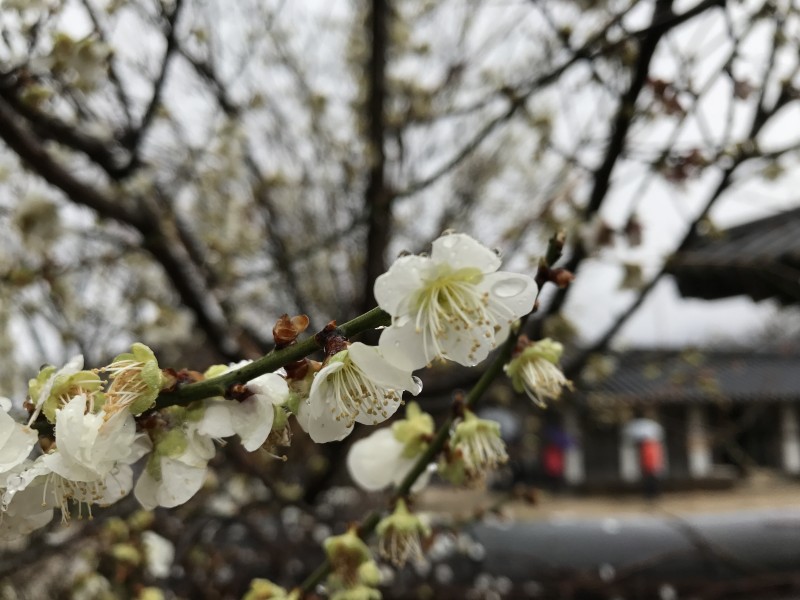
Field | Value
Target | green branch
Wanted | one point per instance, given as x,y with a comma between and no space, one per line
217,386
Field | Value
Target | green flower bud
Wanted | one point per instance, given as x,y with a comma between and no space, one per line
126,553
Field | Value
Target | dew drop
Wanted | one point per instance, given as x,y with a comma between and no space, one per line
417,381
498,252
403,253
508,288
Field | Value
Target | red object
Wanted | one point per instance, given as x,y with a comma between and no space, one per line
652,457
553,460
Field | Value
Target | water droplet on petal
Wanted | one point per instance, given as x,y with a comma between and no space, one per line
498,252
418,381
448,232
508,288
403,253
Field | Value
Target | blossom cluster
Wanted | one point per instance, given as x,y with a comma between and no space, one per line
87,429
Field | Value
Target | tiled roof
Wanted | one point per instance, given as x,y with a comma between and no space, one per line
760,259
657,377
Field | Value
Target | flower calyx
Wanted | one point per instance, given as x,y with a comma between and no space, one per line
415,431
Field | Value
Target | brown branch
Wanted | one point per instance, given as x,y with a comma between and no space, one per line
135,137
113,74
278,249
49,127
626,112
377,198
174,262
760,119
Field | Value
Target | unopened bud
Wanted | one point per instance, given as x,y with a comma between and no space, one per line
287,329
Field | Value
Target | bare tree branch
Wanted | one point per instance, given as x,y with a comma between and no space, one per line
377,198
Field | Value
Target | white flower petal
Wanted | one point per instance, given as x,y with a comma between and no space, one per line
22,511
460,251
324,428
216,422
146,491
468,348
402,345
179,482
375,461
389,408
395,289
381,371
117,485
512,295
271,385
252,420
16,442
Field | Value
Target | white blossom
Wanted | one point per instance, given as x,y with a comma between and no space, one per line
386,456
252,418
453,305
355,385
177,468
90,462
24,512
377,462
16,440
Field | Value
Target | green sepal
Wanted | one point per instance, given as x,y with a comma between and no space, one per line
67,386
414,431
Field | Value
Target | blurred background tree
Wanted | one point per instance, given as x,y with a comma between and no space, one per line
183,172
